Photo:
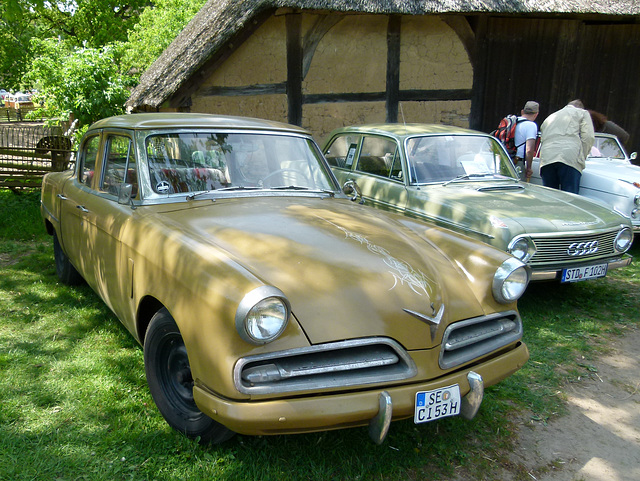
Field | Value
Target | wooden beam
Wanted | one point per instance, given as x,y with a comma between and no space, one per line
294,68
393,67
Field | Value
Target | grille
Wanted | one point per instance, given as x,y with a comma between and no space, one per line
339,364
473,338
553,250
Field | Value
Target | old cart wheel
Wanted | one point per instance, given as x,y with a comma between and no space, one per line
67,274
169,378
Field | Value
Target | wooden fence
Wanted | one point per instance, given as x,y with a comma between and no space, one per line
29,150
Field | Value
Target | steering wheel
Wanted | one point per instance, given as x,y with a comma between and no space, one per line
280,171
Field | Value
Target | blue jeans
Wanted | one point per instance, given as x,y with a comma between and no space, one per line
561,176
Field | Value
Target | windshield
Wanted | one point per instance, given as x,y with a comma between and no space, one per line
607,147
439,158
193,162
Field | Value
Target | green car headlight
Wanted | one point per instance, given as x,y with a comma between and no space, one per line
522,248
623,240
510,281
262,315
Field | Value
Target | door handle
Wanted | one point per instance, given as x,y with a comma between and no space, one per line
82,208
62,197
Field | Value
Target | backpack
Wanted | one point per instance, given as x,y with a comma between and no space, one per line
506,133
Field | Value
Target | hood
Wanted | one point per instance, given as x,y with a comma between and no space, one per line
503,209
612,169
349,271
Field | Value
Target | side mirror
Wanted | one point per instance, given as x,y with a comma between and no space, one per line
634,156
124,193
351,189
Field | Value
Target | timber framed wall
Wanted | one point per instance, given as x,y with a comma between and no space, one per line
324,71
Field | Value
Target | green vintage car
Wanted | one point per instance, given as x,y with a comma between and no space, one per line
266,301
464,180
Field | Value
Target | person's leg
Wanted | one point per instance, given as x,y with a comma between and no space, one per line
569,178
549,175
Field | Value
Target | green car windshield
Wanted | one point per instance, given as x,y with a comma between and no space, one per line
440,158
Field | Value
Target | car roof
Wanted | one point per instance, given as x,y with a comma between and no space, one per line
401,130
173,120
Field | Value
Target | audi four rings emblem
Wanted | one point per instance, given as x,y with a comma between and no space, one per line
582,248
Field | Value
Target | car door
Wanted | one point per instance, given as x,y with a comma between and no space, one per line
375,164
99,220
77,222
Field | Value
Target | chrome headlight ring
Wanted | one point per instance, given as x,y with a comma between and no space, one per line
624,239
522,248
262,315
510,281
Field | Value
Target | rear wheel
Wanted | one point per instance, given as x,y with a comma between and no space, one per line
67,274
171,384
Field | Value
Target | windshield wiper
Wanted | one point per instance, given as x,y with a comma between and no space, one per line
466,176
289,187
297,187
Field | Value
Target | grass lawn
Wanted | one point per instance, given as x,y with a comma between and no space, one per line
74,404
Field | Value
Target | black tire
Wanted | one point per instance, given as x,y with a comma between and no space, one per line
169,378
67,274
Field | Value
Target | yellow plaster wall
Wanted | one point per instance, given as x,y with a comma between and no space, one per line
321,119
451,112
432,56
270,107
350,58
261,59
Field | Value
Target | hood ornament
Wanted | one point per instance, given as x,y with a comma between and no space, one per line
432,321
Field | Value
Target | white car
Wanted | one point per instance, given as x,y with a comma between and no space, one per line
609,176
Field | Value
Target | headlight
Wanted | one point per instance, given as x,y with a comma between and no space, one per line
522,248
262,315
623,240
510,281
636,199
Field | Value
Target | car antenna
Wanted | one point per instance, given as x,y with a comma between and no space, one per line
402,114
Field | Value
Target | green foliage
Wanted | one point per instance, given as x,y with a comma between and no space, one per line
83,82
159,24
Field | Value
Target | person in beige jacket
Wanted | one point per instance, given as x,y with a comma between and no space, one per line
566,140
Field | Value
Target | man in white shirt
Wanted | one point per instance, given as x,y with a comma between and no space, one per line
567,138
525,136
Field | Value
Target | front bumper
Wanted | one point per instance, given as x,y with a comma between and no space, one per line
350,409
555,272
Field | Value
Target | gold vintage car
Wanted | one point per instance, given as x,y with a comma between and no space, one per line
265,300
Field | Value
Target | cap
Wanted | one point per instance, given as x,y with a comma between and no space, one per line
531,107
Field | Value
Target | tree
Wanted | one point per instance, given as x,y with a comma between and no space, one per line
85,83
158,26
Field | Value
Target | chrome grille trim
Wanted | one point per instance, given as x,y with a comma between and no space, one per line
553,249
333,365
471,339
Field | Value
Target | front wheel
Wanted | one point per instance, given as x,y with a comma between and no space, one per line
67,274
171,384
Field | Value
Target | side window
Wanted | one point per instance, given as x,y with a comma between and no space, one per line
379,157
120,165
89,156
342,151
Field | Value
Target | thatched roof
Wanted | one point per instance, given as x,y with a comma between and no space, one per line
219,20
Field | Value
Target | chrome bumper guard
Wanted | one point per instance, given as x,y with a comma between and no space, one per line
379,425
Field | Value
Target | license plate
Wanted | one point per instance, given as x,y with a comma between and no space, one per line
436,404
583,273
